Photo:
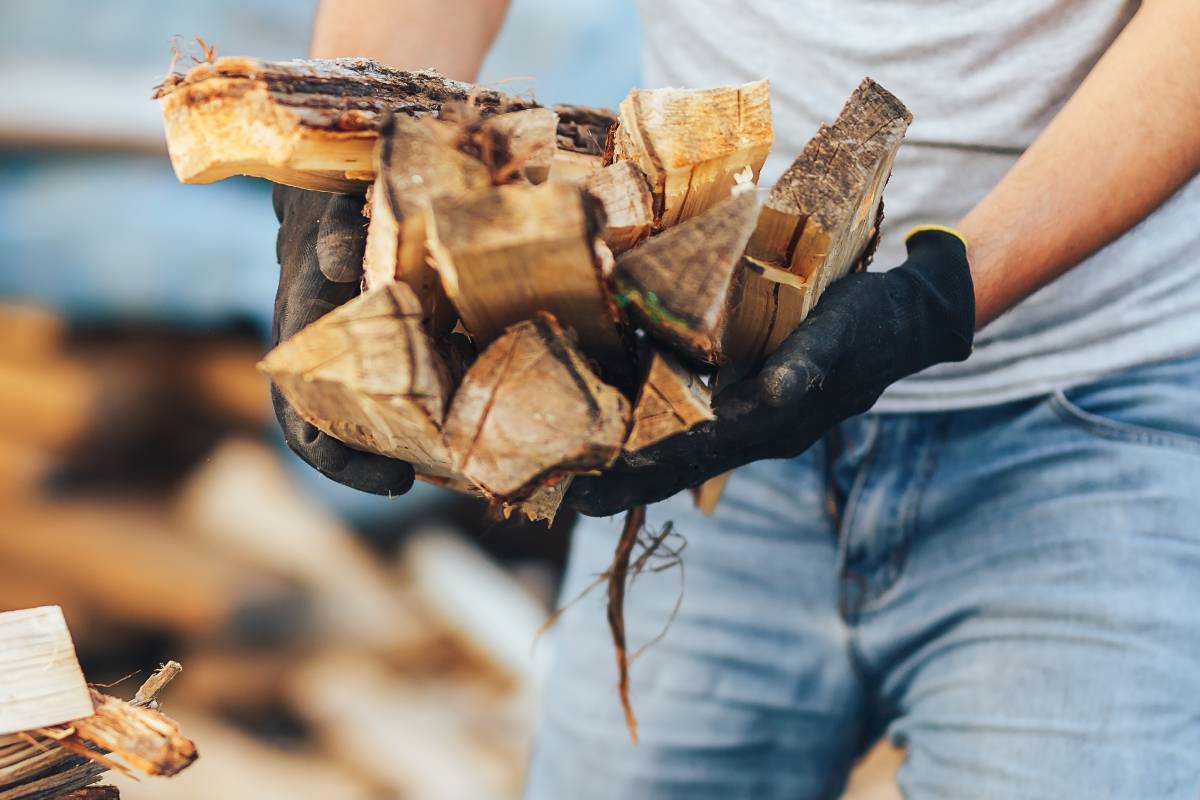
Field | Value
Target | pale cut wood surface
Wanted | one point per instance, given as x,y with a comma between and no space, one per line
510,251
682,284
530,410
771,305
366,373
628,204
40,680
692,142
673,400
313,124
415,162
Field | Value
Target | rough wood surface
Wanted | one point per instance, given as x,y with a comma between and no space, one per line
415,162
682,284
773,302
40,680
510,251
692,142
313,124
628,204
821,219
673,400
530,410
366,374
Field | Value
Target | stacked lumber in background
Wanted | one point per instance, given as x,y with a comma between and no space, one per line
510,264
57,734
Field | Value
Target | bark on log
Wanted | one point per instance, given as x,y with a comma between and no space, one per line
673,400
692,142
313,124
530,411
510,251
628,204
682,284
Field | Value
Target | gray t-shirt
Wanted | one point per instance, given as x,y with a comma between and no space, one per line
982,79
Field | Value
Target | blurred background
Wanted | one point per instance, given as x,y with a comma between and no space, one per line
334,645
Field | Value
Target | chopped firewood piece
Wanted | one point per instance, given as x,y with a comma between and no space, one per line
313,124
628,205
681,285
673,400
415,163
692,142
92,793
510,251
530,410
142,737
40,680
820,220
773,302
366,374
528,140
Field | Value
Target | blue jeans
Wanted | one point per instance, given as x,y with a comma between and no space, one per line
1011,593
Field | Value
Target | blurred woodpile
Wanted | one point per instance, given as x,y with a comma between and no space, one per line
139,495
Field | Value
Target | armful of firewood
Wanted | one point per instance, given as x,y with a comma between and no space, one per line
868,331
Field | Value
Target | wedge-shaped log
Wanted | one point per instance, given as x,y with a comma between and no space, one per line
628,204
530,411
692,142
313,124
510,251
673,400
415,162
681,285
366,373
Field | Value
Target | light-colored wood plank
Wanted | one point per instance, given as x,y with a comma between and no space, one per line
40,679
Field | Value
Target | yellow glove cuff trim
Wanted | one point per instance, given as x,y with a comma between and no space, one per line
942,228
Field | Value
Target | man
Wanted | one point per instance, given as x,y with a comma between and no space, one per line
997,566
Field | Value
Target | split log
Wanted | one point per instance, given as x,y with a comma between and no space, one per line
692,142
707,495
414,163
510,251
628,204
773,303
821,220
673,400
313,124
40,680
366,373
530,411
682,284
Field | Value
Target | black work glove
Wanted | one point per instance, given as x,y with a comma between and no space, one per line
868,331
320,251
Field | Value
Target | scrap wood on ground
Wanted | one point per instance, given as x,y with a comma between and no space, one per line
57,734
519,254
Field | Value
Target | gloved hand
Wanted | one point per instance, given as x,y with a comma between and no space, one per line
320,251
867,331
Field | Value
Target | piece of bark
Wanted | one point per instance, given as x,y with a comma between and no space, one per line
673,400
692,142
511,251
682,284
40,680
414,163
313,124
624,192
530,411
92,793
821,220
366,373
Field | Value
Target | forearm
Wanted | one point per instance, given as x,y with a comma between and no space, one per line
1122,145
451,36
